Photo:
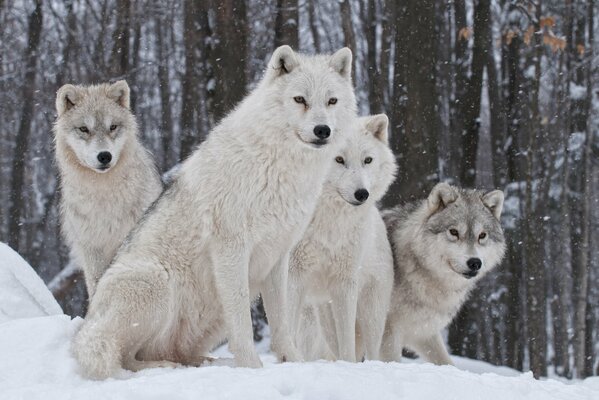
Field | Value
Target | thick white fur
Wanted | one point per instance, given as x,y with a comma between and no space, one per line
100,207
429,286
222,232
341,272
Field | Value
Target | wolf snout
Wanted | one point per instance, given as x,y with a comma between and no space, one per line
104,157
361,195
322,131
474,264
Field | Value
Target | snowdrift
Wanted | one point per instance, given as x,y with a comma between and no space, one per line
23,294
35,363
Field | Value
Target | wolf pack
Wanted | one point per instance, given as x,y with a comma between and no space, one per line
279,201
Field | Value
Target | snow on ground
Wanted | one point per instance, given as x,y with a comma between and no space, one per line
23,294
35,363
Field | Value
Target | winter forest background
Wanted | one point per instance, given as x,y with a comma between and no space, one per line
487,93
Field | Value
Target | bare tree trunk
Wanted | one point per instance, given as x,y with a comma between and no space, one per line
22,141
189,83
348,30
287,23
313,26
121,35
166,121
414,123
536,294
229,55
375,97
584,260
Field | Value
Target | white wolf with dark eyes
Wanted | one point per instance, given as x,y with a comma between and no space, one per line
222,232
107,178
441,247
341,272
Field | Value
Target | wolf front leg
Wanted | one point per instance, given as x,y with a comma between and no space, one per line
231,275
344,306
274,295
433,350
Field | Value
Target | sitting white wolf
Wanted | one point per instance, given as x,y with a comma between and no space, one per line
343,267
107,178
223,231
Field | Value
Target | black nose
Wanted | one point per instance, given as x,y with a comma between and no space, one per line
322,131
361,195
104,157
474,264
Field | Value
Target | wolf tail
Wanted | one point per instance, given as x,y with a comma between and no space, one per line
96,351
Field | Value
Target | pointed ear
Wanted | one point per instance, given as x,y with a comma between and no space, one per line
378,126
119,92
283,60
441,196
341,62
494,202
67,97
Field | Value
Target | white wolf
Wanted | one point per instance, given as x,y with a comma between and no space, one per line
107,177
223,231
344,262
441,247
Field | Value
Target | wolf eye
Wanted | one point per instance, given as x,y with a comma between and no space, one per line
113,127
340,160
300,100
367,160
332,100
482,236
84,129
454,232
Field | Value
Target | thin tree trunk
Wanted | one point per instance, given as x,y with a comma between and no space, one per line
166,121
313,26
121,35
229,55
22,141
414,120
348,30
583,266
287,23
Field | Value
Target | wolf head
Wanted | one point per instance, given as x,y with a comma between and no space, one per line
462,234
313,94
94,122
365,167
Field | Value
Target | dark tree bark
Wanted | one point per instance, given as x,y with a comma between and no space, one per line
414,123
166,121
470,104
189,84
348,30
121,36
287,23
22,141
313,25
229,56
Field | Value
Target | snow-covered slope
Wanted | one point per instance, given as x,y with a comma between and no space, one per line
35,364
23,294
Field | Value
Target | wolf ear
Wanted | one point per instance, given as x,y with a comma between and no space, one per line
341,62
441,196
494,202
119,92
66,98
283,60
378,126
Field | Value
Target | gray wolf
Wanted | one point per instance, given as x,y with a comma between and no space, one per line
107,178
221,234
441,246
343,265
